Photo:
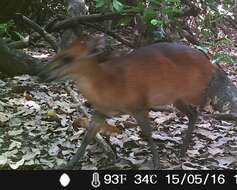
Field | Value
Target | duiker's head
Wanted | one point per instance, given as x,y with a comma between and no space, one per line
70,59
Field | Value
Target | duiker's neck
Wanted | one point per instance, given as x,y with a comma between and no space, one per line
90,69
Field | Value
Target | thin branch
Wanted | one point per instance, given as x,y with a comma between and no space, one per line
193,10
48,37
220,17
77,101
99,139
225,117
112,34
71,22
20,44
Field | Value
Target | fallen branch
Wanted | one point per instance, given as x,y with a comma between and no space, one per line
112,34
71,22
48,37
221,16
193,10
52,22
186,33
15,62
225,117
20,44
75,98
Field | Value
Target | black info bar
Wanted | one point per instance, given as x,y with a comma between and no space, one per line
107,179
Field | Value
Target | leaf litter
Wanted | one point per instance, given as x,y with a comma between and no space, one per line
36,132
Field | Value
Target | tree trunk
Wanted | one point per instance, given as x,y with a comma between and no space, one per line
13,62
75,8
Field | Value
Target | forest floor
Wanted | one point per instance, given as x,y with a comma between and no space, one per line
37,131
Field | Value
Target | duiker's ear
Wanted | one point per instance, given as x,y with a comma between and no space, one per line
96,44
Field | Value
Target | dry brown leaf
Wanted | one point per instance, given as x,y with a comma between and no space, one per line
106,129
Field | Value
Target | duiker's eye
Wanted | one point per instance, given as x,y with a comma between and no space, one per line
67,59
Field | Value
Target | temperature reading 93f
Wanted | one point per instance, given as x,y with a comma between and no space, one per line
115,179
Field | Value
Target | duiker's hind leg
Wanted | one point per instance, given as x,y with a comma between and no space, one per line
144,123
192,114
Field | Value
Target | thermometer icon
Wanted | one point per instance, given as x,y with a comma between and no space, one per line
95,182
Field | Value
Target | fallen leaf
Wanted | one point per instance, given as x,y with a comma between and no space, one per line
15,165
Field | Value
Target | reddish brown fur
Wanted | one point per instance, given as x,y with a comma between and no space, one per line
158,74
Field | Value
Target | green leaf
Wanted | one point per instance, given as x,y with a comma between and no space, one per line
156,22
118,6
222,56
173,1
155,2
3,28
148,15
172,10
19,35
134,9
224,41
100,3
